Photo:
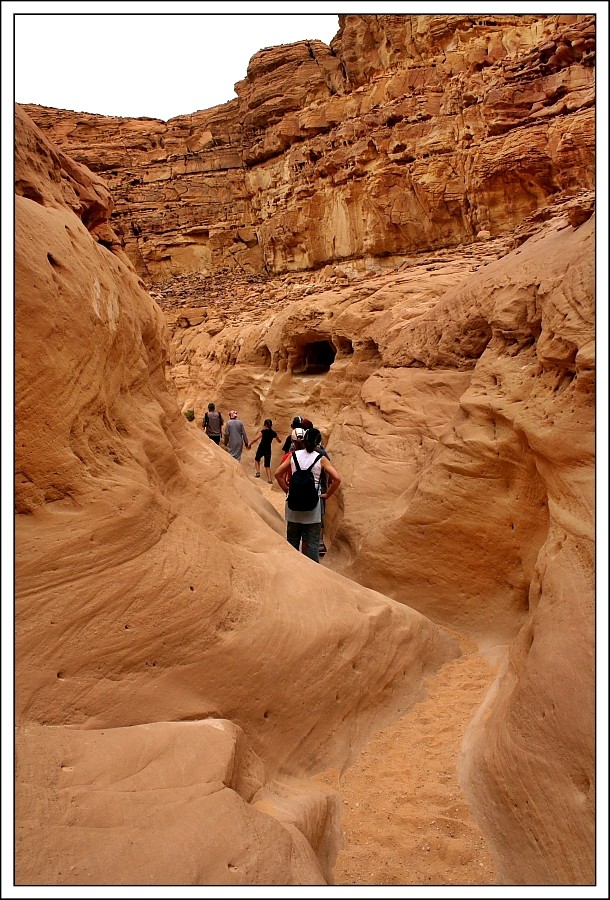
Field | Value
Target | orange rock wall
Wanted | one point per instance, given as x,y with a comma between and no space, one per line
158,602
408,133
447,163
460,411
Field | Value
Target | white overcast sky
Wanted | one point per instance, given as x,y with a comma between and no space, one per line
148,59
161,59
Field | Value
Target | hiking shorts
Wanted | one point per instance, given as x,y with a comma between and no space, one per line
266,457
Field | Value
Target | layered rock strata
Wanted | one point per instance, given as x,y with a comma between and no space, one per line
444,343
408,133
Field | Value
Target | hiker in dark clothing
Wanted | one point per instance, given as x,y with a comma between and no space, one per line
287,445
266,436
323,485
212,423
297,422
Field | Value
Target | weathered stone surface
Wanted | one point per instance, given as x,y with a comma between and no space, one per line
166,780
409,133
155,588
440,183
458,405
284,79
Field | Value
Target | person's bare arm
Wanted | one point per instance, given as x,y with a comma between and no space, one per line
335,478
280,474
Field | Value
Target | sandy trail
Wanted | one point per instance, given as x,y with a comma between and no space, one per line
406,820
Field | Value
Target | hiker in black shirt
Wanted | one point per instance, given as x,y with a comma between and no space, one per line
266,436
297,422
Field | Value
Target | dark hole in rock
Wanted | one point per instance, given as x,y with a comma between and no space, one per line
314,358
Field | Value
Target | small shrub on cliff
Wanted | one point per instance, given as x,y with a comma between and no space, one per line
189,415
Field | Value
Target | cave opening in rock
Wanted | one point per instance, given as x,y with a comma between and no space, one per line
314,358
263,356
344,346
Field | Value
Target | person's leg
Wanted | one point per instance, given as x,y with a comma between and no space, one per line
322,544
267,463
257,466
293,533
215,438
311,535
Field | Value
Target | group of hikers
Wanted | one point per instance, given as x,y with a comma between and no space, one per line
305,474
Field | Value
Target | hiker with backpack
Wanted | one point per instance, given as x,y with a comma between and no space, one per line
299,477
319,448
212,423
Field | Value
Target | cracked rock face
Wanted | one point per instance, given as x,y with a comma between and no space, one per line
409,133
400,245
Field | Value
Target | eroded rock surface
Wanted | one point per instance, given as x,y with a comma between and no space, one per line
156,592
401,246
178,803
409,133
457,401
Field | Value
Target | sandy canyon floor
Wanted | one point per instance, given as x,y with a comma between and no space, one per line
406,820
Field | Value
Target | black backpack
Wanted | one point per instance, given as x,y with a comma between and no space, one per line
302,490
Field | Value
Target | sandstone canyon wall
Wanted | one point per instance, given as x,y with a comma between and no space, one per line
172,669
407,133
396,235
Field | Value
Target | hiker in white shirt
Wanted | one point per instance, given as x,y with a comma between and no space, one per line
304,524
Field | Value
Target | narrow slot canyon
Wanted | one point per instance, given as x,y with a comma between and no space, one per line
392,237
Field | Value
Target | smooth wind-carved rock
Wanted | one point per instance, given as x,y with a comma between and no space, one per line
158,602
393,235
